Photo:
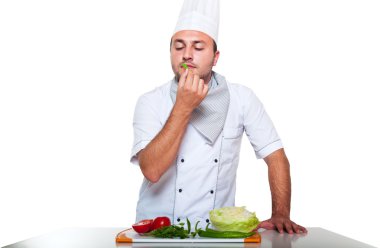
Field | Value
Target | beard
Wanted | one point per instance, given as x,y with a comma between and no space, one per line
201,76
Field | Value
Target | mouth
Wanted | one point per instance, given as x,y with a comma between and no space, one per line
187,65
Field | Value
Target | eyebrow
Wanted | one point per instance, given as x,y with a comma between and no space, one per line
194,42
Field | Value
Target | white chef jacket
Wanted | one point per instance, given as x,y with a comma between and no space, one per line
203,176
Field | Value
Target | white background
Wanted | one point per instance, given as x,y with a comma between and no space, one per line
71,72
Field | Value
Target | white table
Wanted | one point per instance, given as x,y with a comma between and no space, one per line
105,238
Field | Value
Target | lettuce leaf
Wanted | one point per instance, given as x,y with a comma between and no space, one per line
233,219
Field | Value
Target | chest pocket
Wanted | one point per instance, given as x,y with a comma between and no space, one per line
231,144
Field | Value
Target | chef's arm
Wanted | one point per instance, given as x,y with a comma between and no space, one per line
280,186
279,181
160,153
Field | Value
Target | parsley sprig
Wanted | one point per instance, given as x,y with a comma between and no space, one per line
172,231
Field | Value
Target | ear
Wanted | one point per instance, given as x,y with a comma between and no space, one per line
216,57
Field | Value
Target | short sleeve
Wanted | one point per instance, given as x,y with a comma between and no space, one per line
146,125
259,128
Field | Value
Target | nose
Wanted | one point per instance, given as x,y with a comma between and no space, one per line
187,54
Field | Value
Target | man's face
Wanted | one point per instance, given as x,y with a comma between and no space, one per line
196,49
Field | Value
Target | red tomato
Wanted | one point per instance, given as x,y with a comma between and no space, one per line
143,226
160,222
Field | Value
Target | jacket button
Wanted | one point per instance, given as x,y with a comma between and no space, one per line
180,190
212,191
182,160
178,219
207,220
215,160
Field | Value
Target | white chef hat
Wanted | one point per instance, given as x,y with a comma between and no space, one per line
199,15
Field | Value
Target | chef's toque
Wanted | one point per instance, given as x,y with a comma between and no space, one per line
200,15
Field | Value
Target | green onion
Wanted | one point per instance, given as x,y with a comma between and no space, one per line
188,226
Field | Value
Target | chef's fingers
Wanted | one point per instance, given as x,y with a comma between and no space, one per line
196,82
288,227
280,227
182,79
189,80
296,228
201,86
266,225
303,229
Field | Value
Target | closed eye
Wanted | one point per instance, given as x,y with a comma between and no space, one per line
179,48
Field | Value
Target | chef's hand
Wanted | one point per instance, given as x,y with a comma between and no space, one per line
191,91
280,224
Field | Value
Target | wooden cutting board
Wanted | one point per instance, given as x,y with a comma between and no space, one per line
130,236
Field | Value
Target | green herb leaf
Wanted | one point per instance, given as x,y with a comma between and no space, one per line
185,66
172,231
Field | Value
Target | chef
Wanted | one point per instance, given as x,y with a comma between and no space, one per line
188,132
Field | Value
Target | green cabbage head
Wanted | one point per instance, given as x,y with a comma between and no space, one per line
233,219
